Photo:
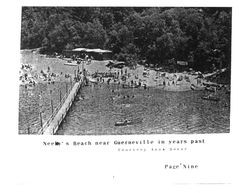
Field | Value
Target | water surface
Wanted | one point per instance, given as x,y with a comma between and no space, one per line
161,112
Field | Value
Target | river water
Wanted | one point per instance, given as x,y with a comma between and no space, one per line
101,105
161,112
35,101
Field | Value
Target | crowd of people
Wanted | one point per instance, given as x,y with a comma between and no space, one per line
138,76
144,77
29,77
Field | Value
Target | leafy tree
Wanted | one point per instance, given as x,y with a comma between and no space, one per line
160,35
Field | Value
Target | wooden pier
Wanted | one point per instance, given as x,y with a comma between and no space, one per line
52,125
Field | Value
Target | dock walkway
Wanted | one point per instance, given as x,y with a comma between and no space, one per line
53,126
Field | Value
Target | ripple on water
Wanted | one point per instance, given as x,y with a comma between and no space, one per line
162,112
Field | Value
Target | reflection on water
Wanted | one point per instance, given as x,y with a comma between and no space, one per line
161,112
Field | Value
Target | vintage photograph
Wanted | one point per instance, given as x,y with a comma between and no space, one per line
125,70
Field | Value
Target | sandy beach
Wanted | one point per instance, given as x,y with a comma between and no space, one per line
144,76
54,70
116,94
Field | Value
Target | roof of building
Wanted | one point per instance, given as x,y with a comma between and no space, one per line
91,50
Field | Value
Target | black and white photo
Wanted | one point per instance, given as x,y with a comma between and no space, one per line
125,70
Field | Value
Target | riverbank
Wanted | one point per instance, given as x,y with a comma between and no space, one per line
141,76
44,82
54,70
101,105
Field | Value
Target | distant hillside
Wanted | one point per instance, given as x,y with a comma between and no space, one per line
201,36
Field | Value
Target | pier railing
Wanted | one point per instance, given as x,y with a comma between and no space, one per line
53,114
55,110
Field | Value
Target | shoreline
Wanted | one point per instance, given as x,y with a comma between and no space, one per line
38,98
176,82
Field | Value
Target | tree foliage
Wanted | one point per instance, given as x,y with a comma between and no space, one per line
158,35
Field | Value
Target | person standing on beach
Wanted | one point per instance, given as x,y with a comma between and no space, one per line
198,81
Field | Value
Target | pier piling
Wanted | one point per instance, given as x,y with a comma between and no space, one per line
51,126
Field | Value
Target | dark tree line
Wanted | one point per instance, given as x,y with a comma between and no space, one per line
201,36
